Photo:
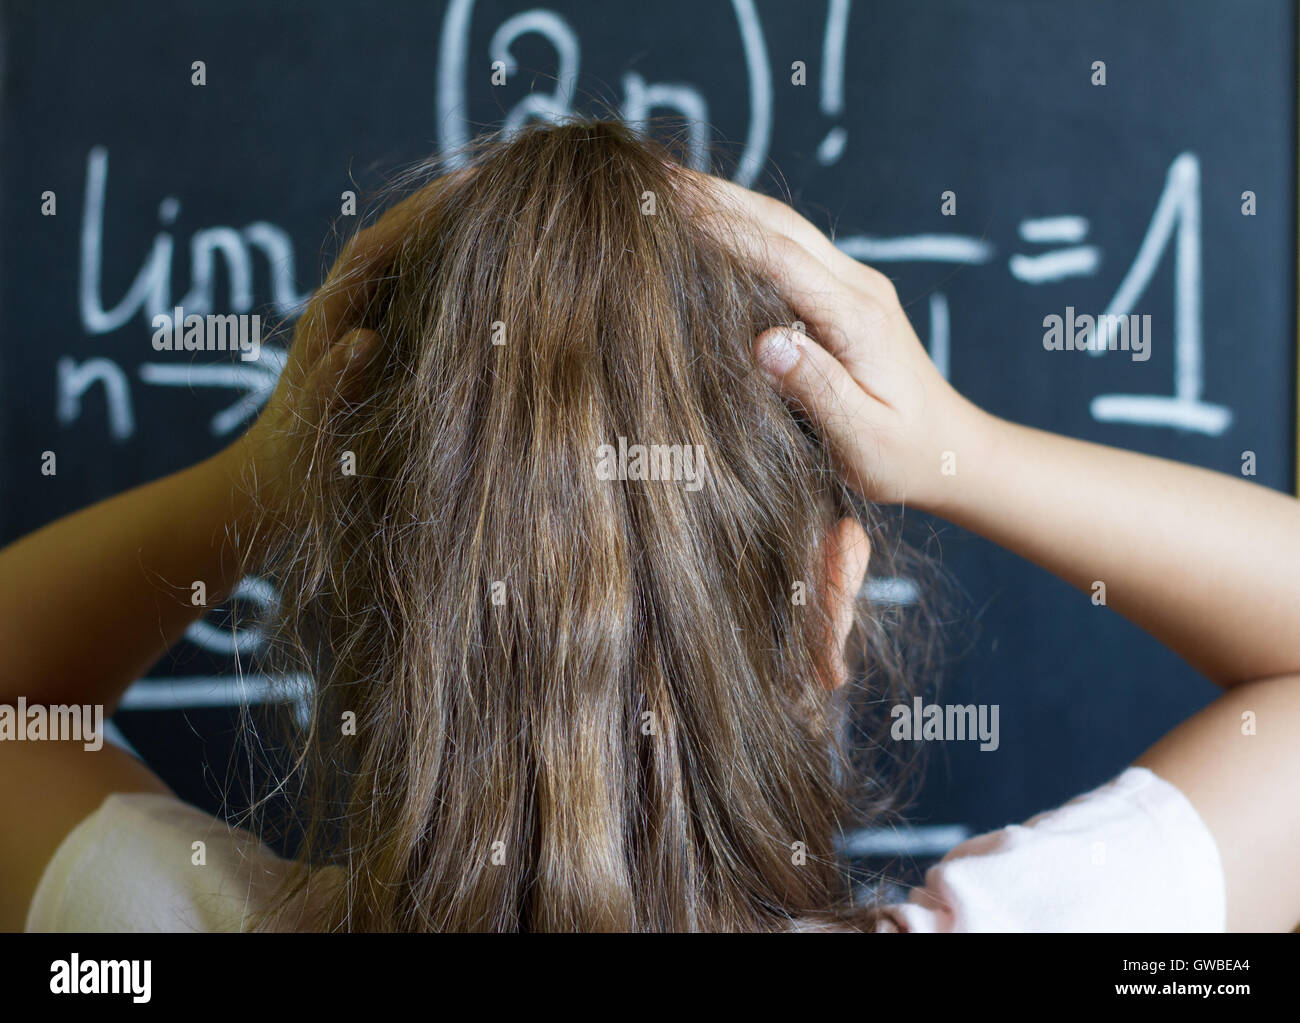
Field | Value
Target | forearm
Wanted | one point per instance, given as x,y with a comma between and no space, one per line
90,601
1208,564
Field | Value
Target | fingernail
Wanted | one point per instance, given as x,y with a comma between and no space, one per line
779,351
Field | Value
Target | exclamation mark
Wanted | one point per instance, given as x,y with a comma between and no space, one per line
837,24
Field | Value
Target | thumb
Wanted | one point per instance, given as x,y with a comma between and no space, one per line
803,370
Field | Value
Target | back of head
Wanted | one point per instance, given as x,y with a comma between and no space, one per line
561,593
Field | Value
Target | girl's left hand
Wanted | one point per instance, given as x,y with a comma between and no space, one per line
328,353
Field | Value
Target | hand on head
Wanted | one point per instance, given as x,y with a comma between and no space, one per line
866,379
330,350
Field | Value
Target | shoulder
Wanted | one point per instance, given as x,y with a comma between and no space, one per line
1132,855
46,789
149,862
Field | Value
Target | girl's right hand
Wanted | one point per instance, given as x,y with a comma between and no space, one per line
889,415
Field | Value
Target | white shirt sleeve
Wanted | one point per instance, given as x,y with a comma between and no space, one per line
1132,855
134,865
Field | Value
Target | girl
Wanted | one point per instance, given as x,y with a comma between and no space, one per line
545,699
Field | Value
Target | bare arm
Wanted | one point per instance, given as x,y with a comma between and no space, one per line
1207,563
1238,761
88,603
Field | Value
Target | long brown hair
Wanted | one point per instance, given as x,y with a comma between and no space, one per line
576,703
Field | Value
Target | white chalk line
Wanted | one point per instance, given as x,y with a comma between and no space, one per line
925,840
936,248
1161,410
1081,261
940,352
895,590
204,691
1066,230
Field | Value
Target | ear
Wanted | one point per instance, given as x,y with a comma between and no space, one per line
848,552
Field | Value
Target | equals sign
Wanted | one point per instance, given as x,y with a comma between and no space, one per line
1075,261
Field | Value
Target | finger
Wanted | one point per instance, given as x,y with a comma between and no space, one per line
773,215
828,303
802,370
818,297
366,260
821,298
340,376
849,324
376,241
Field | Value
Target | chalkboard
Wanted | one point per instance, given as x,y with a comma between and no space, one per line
1003,160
